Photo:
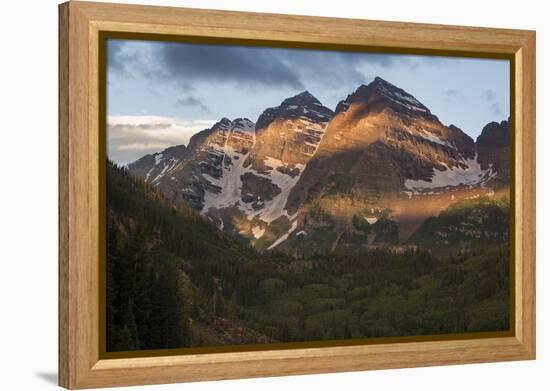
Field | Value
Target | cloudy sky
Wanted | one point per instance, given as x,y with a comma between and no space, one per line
159,94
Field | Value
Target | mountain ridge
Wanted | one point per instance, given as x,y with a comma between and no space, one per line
304,172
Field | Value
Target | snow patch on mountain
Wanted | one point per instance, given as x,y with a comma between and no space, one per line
285,236
230,182
169,166
283,175
158,158
371,220
231,187
274,208
434,139
471,175
258,232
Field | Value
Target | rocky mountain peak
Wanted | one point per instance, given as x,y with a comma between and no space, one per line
495,134
304,105
223,123
382,93
243,124
493,148
304,98
378,80
395,95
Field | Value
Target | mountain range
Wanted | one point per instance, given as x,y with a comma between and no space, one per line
380,170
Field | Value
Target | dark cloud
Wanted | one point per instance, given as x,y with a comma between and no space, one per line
191,101
184,64
257,66
332,68
226,63
119,60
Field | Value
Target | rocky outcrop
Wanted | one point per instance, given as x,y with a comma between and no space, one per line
493,148
155,166
290,132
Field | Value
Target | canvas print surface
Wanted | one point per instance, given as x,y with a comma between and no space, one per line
262,195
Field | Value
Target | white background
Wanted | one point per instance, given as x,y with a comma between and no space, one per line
28,194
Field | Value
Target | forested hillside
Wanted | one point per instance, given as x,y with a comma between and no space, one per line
175,280
466,225
165,267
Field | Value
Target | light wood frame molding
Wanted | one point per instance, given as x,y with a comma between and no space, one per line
80,24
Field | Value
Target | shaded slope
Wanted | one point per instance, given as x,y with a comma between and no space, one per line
170,273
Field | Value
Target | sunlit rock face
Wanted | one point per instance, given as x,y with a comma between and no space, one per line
382,136
384,165
290,132
304,179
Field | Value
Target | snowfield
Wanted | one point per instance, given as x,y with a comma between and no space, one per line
452,177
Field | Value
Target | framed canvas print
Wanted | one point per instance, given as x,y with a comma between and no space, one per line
248,195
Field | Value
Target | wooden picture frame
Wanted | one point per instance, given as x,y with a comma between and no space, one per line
81,24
